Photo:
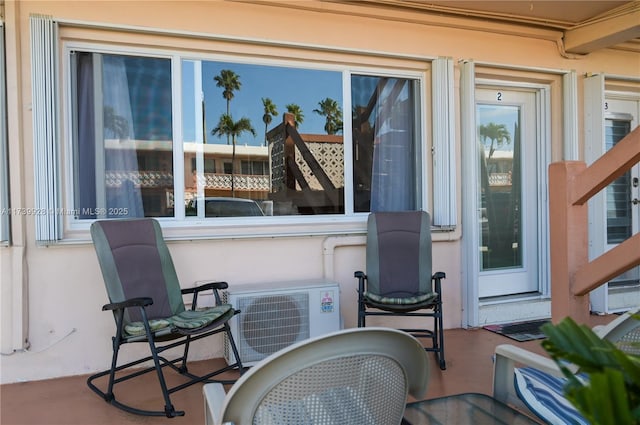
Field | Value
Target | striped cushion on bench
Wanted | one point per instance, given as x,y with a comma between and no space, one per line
543,394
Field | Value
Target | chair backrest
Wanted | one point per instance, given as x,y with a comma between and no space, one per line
399,253
357,376
136,262
624,332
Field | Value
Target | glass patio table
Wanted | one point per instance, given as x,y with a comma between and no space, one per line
461,409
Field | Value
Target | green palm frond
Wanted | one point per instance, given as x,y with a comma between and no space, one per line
611,395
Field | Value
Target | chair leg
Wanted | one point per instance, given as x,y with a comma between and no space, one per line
439,327
361,311
183,367
169,410
234,348
109,395
112,372
361,317
361,304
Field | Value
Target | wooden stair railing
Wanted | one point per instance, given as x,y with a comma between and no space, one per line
571,185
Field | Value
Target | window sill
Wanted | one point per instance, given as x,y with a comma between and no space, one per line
242,228
237,228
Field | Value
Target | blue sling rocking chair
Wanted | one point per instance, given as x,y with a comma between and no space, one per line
147,304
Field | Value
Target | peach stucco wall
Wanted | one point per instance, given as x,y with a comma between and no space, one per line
60,287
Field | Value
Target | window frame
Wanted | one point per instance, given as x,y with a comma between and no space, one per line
5,216
251,226
52,36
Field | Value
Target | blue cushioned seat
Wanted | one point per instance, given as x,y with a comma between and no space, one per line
543,395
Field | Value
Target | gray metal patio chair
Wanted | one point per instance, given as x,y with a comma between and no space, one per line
398,279
533,383
358,376
147,304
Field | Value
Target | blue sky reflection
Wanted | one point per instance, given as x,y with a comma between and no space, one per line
283,85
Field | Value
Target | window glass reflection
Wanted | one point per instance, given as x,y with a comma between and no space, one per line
385,143
499,154
619,225
124,149
268,134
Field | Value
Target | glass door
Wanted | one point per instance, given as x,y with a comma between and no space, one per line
507,191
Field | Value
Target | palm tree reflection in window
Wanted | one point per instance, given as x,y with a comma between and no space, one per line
332,112
116,124
497,133
270,111
296,110
230,128
500,196
229,81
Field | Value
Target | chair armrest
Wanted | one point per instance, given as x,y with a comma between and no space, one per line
215,286
119,308
506,358
362,277
132,302
214,396
205,286
437,277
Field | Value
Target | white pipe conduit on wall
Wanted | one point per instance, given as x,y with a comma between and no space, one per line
329,246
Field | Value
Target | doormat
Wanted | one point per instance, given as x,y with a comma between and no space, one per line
520,331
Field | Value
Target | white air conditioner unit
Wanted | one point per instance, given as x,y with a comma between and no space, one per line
276,315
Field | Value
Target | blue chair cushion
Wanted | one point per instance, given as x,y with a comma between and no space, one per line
543,394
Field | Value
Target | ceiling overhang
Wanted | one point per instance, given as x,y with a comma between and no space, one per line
585,26
603,33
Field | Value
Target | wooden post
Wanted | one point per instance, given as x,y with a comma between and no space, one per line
568,242
289,153
571,185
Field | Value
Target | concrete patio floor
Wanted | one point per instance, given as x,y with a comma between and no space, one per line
68,401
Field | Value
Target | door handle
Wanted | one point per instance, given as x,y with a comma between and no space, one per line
635,201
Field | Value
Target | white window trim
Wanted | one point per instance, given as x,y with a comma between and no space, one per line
470,259
50,228
444,148
347,150
595,95
594,135
46,146
570,105
5,217
468,135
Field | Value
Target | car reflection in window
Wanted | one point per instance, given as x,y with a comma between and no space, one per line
225,207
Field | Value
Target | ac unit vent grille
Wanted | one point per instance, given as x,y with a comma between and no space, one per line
275,318
271,323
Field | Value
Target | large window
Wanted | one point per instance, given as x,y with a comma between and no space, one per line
188,139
